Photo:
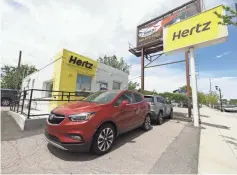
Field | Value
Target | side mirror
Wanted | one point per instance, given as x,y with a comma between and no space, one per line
124,103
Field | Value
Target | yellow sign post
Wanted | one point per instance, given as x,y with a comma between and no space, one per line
198,31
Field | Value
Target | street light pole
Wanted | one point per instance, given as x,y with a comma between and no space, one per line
220,99
219,89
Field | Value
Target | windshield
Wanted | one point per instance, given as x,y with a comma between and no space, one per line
102,97
149,99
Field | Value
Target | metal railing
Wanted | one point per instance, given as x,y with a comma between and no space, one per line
26,98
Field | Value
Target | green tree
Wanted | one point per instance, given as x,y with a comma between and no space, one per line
224,101
202,98
233,101
184,88
228,19
8,75
132,85
212,98
117,63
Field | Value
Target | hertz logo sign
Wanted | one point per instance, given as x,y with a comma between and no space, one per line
79,62
198,31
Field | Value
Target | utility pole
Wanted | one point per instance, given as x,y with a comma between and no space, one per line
18,71
210,85
188,84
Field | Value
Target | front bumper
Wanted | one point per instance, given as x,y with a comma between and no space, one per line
75,147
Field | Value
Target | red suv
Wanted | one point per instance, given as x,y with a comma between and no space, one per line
95,122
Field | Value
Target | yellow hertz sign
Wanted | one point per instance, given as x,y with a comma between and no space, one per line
198,31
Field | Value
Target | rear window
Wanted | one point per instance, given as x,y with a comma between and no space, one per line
149,99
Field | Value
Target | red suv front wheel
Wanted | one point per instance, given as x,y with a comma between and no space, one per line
103,139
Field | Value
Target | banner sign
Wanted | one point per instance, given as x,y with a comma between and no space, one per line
198,31
151,32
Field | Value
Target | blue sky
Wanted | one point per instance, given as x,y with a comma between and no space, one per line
216,60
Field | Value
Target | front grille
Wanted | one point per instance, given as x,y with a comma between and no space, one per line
55,118
52,137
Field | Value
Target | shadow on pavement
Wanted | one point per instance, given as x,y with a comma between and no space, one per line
232,143
231,138
206,116
76,156
216,126
184,119
11,131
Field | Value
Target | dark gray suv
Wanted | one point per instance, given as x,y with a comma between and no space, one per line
160,108
7,96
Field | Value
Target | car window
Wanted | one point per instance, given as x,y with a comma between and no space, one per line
121,99
138,97
160,100
149,99
102,97
126,96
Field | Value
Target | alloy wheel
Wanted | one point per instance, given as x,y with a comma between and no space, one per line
5,102
105,139
148,122
160,118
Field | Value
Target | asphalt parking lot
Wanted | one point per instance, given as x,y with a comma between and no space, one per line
169,148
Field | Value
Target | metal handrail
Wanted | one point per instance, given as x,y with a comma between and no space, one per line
19,103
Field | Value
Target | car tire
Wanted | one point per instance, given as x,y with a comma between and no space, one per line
5,102
160,118
147,123
171,114
103,139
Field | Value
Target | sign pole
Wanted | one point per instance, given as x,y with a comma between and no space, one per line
142,70
194,88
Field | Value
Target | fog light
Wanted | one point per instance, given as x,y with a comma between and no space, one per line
75,137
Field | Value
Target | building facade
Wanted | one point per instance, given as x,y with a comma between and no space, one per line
72,72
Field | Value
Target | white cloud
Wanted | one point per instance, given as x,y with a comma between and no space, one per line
223,54
92,28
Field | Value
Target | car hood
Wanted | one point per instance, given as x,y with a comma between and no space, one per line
77,107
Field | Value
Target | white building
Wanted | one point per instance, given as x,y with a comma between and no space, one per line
72,72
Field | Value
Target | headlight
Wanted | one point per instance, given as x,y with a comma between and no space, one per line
81,117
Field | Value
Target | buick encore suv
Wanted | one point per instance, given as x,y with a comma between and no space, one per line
95,122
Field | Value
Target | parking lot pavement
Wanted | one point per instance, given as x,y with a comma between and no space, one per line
163,147
10,130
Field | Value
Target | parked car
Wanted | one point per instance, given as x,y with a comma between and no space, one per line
160,108
7,96
95,122
230,108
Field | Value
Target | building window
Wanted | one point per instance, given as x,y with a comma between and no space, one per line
33,83
83,83
49,88
116,85
103,86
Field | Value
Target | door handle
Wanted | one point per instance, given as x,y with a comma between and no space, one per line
134,109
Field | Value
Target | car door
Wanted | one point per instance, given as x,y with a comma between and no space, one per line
162,105
125,114
140,110
168,108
